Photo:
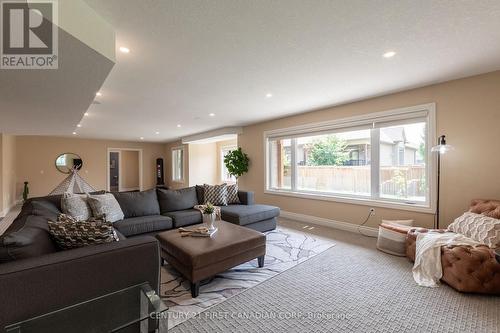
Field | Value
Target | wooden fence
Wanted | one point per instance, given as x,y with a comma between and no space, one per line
397,181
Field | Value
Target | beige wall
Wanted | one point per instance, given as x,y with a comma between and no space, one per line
168,165
129,165
7,172
203,164
468,113
35,156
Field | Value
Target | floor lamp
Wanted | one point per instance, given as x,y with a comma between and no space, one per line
440,149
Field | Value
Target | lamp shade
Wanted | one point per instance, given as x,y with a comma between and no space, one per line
442,147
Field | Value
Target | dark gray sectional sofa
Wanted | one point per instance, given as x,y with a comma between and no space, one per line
36,277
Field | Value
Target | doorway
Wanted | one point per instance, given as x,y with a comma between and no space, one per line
124,169
114,173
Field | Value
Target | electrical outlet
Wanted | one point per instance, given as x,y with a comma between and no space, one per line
372,211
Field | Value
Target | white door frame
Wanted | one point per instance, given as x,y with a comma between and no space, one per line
119,150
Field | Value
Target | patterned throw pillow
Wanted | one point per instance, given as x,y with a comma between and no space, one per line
481,228
105,204
70,233
76,206
232,194
215,194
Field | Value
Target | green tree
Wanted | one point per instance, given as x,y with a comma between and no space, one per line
328,151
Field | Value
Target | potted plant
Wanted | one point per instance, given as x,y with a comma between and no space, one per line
236,162
209,216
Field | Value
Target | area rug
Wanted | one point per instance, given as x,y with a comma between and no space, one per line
285,248
349,288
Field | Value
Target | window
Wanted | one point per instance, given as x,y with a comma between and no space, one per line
225,176
381,158
178,164
404,178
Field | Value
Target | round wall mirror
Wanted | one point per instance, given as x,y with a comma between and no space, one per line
67,161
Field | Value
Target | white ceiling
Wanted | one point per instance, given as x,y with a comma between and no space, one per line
192,58
52,101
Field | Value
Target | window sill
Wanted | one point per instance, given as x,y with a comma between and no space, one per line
355,201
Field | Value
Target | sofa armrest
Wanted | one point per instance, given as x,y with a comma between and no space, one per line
246,197
39,285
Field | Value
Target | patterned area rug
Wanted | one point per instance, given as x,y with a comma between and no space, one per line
285,249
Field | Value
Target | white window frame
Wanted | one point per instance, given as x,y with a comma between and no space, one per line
375,121
222,165
183,167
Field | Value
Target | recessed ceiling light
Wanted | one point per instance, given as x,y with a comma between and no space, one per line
389,54
98,94
157,132
124,49
86,114
212,114
178,125
269,95
74,133
142,138
79,125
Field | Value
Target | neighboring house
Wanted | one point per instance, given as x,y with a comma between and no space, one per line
395,149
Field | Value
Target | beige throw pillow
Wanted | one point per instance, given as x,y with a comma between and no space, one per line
478,227
105,204
76,205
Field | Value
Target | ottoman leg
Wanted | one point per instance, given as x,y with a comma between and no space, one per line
195,289
260,260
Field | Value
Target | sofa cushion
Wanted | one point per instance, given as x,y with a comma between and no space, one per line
143,224
200,194
31,239
135,204
45,209
186,217
174,200
243,214
76,205
105,204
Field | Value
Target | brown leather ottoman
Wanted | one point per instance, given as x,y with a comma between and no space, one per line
198,258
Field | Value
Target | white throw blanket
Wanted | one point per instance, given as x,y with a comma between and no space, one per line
427,270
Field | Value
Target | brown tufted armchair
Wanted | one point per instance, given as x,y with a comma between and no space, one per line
466,268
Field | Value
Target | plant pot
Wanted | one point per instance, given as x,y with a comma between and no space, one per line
209,221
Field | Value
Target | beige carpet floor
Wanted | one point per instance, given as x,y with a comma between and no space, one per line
351,287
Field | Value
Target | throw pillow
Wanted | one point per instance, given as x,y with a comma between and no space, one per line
232,194
481,228
135,204
76,205
105,204
200,195
215,194
70,233
174,200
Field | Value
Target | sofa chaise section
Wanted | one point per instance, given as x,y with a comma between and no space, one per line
257,217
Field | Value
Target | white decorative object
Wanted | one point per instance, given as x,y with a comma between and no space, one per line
74,183
209,221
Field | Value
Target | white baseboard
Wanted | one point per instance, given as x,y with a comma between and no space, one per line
329,223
